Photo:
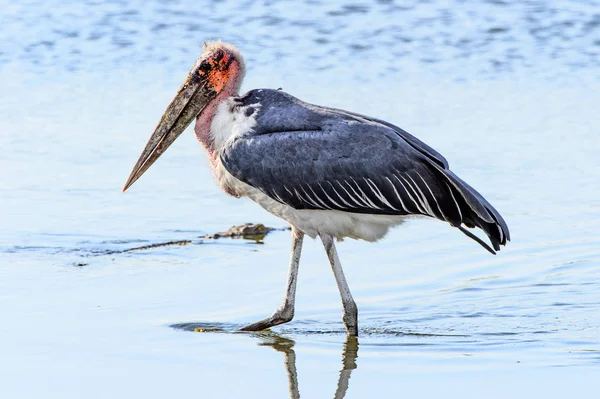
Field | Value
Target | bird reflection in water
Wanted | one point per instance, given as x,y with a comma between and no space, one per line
286,346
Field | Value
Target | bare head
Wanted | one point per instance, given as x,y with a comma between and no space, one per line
222,65
216,74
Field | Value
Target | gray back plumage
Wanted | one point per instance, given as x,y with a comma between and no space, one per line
312,157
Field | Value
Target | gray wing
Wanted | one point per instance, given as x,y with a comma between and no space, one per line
310,157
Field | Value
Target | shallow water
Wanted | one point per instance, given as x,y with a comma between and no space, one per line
507,92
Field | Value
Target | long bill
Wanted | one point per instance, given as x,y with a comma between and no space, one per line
190,100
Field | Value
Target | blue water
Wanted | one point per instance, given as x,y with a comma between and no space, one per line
507,91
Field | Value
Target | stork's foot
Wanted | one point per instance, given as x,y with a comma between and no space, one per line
280,316
350,318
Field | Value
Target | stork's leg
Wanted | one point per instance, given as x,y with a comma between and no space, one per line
350,316
285,312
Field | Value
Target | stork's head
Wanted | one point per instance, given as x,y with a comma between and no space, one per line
217,74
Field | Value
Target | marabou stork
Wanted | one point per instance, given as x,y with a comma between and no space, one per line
328,172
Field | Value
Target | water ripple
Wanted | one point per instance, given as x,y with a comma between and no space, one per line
487,38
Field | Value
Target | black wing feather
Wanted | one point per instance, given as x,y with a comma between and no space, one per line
310,157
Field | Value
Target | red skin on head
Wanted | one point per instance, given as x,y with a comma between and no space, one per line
225,79
225,82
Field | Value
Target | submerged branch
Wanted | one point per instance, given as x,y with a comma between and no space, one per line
247,231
